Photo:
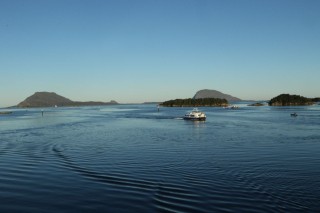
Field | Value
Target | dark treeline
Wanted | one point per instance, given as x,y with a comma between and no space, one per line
288,100
315,99
189,102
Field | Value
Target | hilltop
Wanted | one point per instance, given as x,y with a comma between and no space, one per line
206,93
50,99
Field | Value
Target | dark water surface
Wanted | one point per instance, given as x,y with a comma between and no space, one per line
131,158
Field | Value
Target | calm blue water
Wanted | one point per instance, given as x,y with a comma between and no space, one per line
131,158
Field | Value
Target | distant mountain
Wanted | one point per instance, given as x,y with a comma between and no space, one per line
50,99
206,93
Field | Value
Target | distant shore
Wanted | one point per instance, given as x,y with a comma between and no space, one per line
5,113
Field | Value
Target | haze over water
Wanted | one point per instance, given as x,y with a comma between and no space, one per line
131,158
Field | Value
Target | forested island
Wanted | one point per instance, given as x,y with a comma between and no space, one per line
290,100
201,102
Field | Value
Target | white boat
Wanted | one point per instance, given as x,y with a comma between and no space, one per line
195,115
232,107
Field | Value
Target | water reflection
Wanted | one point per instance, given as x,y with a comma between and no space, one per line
197,124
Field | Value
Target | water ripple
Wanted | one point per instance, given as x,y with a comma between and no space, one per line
103,178
92,160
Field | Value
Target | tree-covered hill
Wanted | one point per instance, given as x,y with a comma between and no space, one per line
290,100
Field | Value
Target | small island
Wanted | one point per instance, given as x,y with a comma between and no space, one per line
290,100
256,104
201,102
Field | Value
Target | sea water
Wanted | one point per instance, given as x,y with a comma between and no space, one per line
132,158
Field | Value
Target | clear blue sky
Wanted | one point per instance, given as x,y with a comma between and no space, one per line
155,50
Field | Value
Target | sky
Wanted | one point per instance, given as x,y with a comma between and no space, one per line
135,51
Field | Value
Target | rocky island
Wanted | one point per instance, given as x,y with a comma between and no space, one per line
290,100
207,93
51,99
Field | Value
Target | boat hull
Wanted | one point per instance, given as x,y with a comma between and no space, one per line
194,119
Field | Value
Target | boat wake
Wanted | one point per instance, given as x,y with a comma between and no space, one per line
100,177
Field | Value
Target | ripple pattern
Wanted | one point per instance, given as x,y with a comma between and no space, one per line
133,159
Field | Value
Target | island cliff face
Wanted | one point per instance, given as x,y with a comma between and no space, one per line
51,99
290,100
206,93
